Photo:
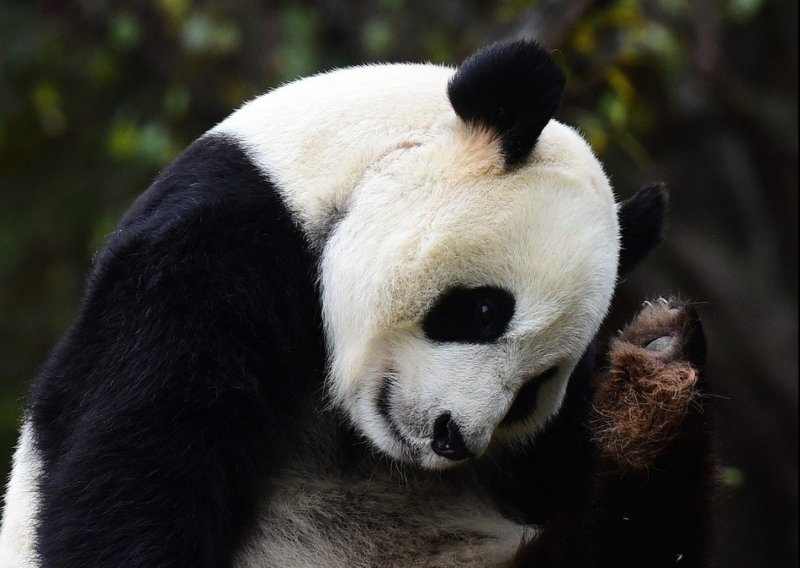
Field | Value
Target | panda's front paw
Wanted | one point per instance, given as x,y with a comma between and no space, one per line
651,397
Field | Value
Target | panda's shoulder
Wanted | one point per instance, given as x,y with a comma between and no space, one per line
213,181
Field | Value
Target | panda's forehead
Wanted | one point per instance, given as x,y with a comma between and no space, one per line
412,233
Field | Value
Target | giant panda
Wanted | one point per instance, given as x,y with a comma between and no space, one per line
354,325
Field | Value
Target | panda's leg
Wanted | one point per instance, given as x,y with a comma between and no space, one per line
651,429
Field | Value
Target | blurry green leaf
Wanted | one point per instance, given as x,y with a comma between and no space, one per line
594,132
201,33
612,108
100,67
155,143
297,56
226,37
122,140
45,96
125,31
300,22
583,39
196,32
150,143
377,36
621,85
617,112
176,101
625,14
437,46
294,62
744,10
175,9
662,42
732,477
46,101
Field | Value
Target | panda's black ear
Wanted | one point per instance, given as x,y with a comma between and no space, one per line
641,223
511,87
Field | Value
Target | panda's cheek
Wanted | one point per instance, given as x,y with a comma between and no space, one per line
404,409
388,419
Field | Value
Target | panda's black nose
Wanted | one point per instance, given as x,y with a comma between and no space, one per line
447,439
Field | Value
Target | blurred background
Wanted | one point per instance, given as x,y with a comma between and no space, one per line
97,96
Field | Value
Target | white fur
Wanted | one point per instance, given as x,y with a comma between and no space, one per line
21,502
423,203
340,523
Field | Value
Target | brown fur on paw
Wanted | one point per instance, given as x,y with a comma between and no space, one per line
646,400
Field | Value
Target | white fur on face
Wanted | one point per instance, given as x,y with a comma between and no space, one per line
405,202
430,220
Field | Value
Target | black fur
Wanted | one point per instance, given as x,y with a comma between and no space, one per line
456,316
641,221
551,478
527,397
656,517
513,88
160,410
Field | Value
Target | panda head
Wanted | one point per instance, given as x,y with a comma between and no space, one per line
472,268
469,244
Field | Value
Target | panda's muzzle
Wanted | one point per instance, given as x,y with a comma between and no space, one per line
447,440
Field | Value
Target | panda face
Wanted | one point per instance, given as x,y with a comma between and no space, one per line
459,295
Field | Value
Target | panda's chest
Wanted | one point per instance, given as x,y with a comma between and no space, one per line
329,522
318,514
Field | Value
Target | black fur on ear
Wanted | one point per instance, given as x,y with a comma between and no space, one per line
511,87
641,223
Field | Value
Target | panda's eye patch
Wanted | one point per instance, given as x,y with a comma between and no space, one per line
469,315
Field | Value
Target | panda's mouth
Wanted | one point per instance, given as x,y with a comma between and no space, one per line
525,402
